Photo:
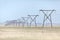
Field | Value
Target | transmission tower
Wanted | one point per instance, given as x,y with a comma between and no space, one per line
47,16
33,19
25,20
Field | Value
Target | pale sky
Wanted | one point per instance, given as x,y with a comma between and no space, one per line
14,9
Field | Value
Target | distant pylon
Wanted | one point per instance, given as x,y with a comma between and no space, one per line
47,16
19,22
33,19
25,20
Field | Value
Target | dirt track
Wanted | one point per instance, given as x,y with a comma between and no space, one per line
29,33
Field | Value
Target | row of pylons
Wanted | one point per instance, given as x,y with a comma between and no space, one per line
32,18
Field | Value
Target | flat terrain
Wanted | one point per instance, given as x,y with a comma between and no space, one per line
34,33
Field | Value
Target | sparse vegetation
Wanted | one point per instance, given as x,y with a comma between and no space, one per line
29,33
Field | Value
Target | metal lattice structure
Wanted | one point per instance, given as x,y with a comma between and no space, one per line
19,22
33,19
47,16
25,20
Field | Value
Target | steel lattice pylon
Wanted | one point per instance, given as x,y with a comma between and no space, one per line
33,19
25,20
47,16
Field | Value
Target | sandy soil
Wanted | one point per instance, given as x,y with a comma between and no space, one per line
29,33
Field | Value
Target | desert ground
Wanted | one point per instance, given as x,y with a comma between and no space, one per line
29,33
